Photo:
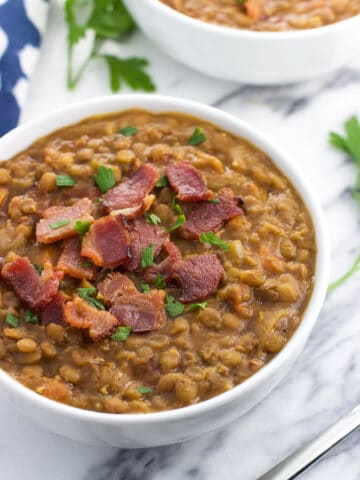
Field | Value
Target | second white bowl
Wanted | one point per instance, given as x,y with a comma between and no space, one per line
258,58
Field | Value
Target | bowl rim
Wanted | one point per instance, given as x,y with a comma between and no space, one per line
227,31
15,141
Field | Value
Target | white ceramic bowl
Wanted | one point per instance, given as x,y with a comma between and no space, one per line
260,58
144,430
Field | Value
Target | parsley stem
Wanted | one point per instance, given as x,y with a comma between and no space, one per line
73,80
353,269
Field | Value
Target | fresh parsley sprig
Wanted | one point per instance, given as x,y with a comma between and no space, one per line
108,19
355,268
349,144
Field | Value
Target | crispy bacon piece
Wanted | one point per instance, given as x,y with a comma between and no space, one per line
210,217
107,242
54,311
46,230
187,181
166,266
142,312
142,234
72,263
115,284
80,314
199,276
254,9
132,193
35,291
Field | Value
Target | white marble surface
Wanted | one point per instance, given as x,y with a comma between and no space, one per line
325,381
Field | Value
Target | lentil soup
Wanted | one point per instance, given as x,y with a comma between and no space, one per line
268,15
149,262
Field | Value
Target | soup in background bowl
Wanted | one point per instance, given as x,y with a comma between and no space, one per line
268,15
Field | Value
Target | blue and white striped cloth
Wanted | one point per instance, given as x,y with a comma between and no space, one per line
22,23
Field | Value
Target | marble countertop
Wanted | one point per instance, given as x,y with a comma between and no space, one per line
323,384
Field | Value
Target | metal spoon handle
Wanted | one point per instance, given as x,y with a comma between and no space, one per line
305,456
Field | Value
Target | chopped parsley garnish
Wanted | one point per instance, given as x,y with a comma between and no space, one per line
174,307
64,181
38,268
85,264
176,207
128,131
159,282
145,287
195,306
59,224
104,178
147,256
197,137
162,182
152,218
144,390
31,317
87,293
107,19
214,200
240,2
212,239
355,268
12,320
121,334
180,221
82,227
100,200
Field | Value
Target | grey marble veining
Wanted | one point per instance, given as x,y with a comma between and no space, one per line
324,384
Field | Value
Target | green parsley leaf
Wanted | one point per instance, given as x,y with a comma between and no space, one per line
159,282
351,146
144,390
152,218
180,221
100,200
31,317
38,268
162,182
212,239
64,181
86,264
104,178
197,137
59,224
128,131
240,2
355,268
12,320
110,19
121,334
130,71
145,287
87,293
82,227
214,200
173,306
147,256
195,306
176,207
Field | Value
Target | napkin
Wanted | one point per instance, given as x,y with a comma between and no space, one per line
22,24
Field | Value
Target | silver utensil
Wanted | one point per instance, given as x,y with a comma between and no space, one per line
298,461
